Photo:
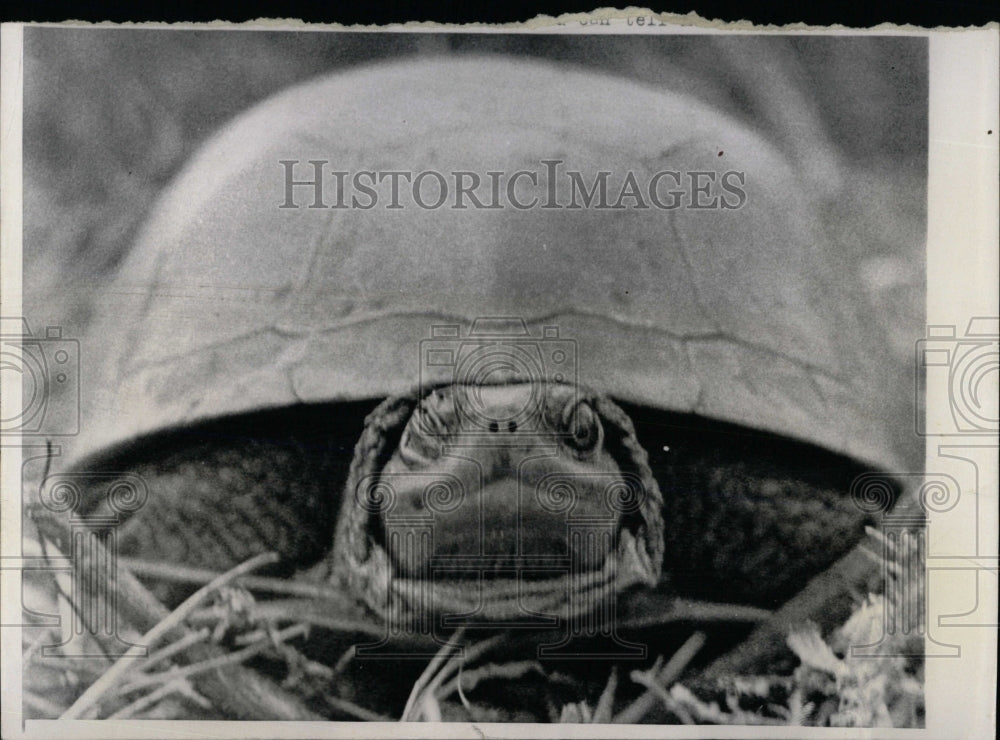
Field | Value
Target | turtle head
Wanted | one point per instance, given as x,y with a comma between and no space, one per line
499,500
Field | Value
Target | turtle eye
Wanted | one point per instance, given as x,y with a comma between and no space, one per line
582,426
421,442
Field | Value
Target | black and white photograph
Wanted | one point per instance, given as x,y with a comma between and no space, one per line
591,374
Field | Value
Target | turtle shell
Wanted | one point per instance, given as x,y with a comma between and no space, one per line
743,313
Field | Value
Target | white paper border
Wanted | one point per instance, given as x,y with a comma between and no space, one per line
962,268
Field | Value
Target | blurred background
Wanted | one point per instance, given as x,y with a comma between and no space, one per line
110,115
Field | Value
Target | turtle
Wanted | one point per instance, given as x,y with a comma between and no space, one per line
447,405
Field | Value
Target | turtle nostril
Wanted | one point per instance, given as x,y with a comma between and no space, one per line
494,427
511,426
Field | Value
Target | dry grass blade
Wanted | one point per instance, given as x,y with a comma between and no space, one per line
467,679
353,710
641,609
447,650
123,666
235,691
670,672
830,686
177,685
342,662
184,574
605,704
711,713
238,656
174,648
655,688
326,615
432,679
470,654
836,585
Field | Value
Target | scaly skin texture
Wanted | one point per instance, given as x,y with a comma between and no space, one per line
538,489
743,517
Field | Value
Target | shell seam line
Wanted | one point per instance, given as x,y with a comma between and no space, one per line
682,339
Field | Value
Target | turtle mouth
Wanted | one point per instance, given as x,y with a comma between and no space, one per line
531,529
519,592
498,553
593,562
